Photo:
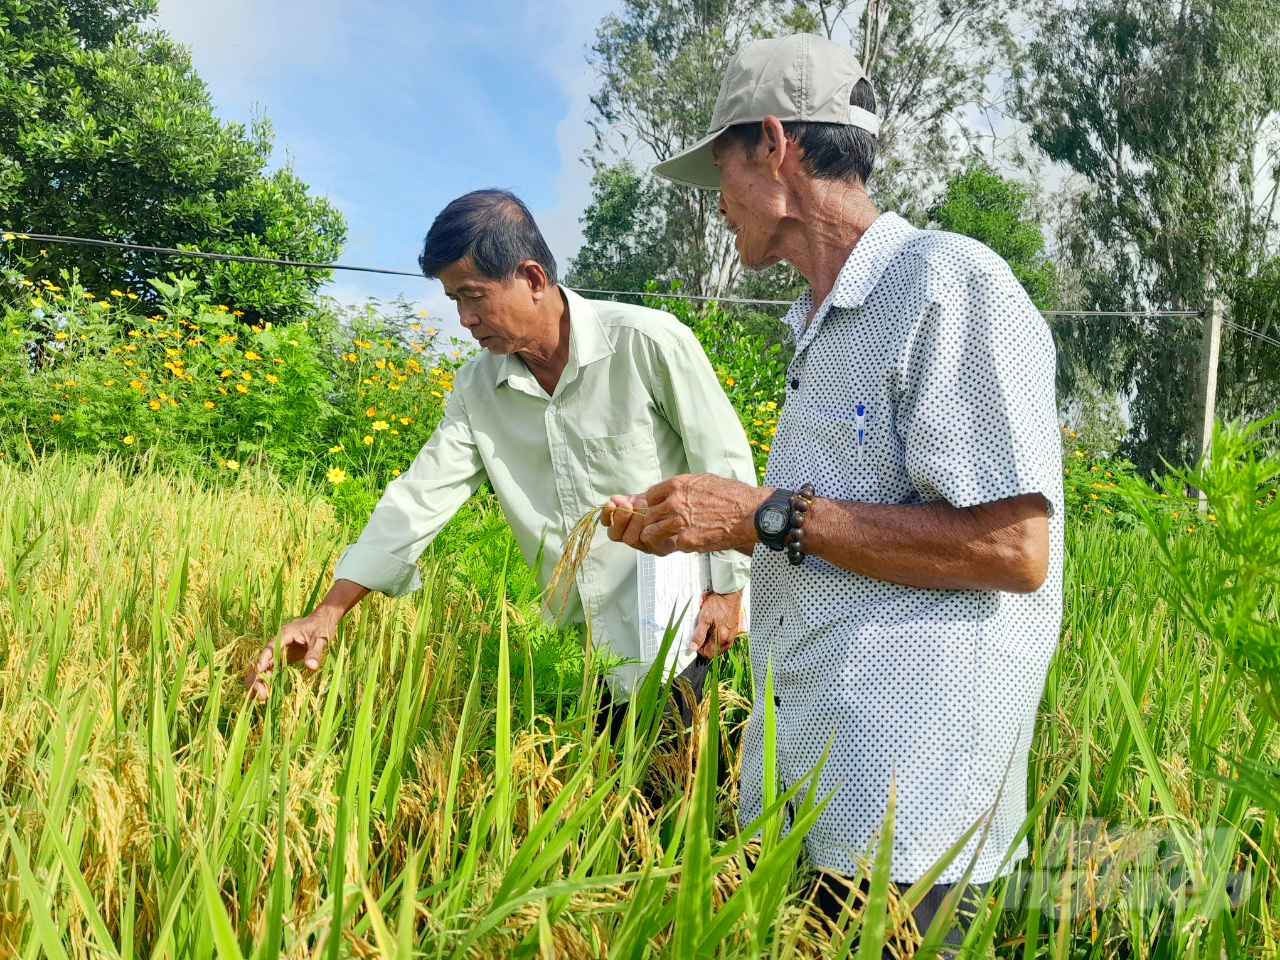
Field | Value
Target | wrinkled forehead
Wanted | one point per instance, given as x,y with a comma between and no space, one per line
463,275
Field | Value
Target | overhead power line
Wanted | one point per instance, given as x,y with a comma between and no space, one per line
203,255
1256,334
305,265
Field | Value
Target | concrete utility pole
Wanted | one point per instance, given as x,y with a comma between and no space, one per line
1208,379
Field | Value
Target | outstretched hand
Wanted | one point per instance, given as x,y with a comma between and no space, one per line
302,640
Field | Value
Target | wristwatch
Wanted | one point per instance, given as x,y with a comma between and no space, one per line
773,519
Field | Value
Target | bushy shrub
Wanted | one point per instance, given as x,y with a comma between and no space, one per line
332,396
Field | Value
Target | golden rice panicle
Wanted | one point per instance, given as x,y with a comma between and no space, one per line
577,545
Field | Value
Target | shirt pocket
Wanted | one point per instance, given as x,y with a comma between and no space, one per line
625,463
836,451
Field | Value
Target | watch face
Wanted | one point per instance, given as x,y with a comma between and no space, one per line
773,520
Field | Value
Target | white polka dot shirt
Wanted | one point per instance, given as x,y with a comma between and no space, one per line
927,375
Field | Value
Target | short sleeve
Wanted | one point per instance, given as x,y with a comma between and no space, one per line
978,413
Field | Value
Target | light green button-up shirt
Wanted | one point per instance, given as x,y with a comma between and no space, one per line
637,402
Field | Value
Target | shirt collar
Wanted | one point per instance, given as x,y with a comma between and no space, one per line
588,343
867,262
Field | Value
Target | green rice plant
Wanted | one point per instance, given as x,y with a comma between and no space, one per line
440,789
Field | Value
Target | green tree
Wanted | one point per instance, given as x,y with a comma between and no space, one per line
106,131
622,246
1165,111
931,66
659,65
1003,214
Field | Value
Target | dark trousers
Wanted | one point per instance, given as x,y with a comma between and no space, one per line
684,696
832,892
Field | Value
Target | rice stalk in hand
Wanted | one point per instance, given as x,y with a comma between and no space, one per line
576,547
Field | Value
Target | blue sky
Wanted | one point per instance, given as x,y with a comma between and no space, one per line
392,109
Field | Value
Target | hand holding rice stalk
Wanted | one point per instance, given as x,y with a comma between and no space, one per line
577,545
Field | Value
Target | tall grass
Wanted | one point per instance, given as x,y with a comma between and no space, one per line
434,792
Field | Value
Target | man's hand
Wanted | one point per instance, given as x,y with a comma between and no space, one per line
299,640
717,624
693,513
305,639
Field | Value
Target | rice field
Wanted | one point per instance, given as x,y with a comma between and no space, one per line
439,789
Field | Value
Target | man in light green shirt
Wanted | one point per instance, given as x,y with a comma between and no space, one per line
572,401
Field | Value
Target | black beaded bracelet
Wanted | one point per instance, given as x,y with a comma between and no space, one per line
794,543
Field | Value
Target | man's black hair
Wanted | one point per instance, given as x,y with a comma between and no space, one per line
832,151
491,227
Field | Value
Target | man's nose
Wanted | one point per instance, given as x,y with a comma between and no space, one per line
467,318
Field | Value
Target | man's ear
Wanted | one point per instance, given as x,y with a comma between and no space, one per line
774,139
533,272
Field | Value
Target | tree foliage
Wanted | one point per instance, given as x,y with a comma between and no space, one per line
106,131
1166,112
1003,214
931,65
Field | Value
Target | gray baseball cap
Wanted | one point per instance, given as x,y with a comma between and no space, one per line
803,78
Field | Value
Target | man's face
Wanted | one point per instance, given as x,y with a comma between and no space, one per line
500,314
751,202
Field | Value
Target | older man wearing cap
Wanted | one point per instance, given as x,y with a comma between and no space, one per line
907,541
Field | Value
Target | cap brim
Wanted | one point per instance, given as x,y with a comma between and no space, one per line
693,167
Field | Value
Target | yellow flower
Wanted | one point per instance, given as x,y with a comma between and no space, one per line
380,424
246,377
1094,496
132,296
405,421
108,383
372,411
241,388
336,475
395,473
250,355
135,384
380,364
154,404
128,441
209,404
272,378
367,440
103,303
224,374
131,347
116,293
335,448
59,336
729,381
57,417
232,465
